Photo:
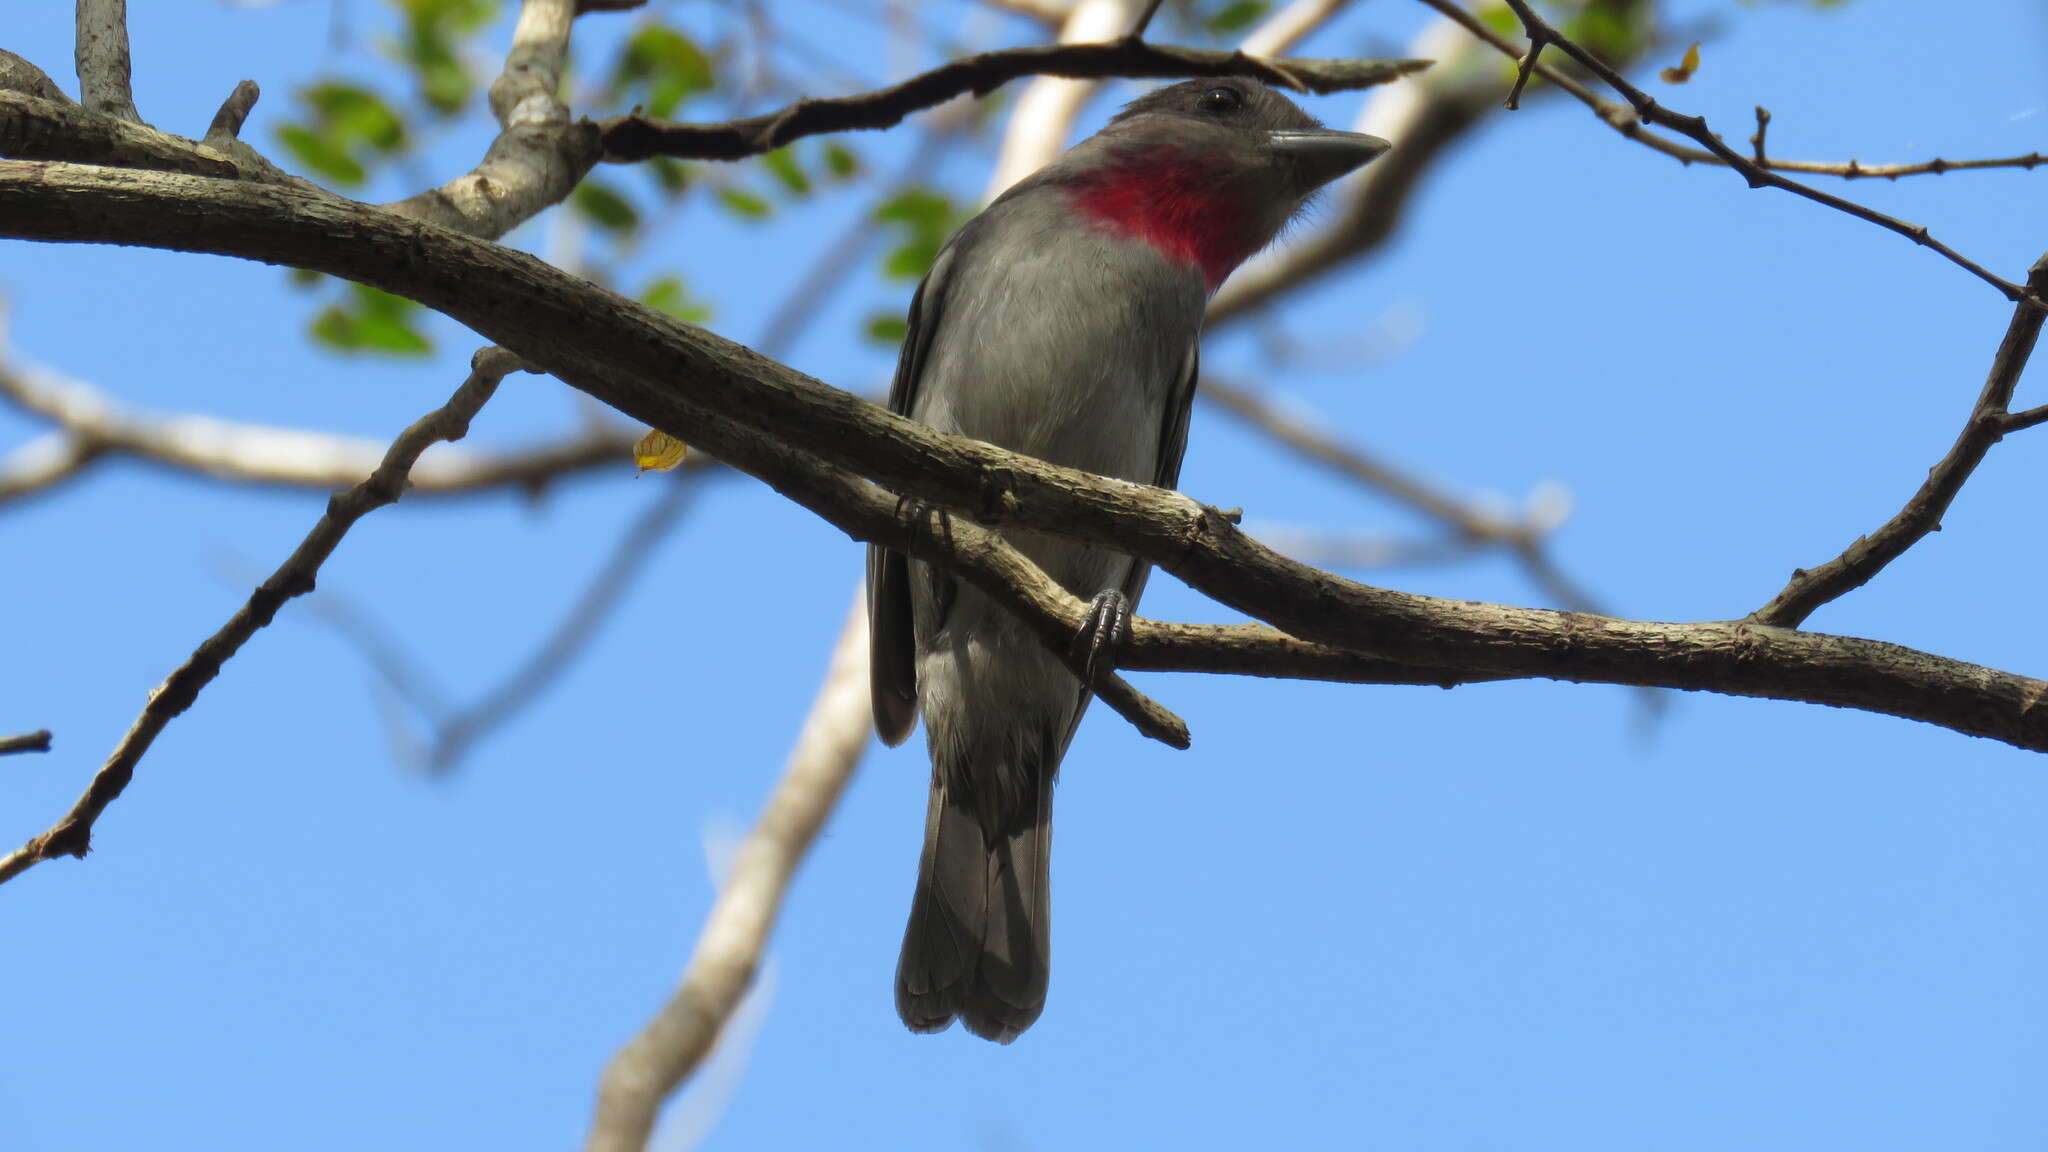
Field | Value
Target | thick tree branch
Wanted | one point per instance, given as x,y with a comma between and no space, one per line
540,155
808,441
72,835
102,57
18,75
637,137
1643,109
735,934
33,128
1988,423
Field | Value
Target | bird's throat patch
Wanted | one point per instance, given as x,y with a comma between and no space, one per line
1175,202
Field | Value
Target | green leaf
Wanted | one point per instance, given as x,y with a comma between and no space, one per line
367,320
666,64
783,166
321,155
743,203
667,294
919,207
911,261
393,335
670,173
430,42
350,112
1608,30
840,161
887,328
603,206
335,328
1237,16
924,218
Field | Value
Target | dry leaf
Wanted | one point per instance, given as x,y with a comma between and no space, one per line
658,451
1685,69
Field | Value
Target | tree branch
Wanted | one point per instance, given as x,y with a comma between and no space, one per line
102,57
1526,540
540,155
72,835
1988,423
634,137
1642,108
1857,170
729,949
37,741
33,128
91,427
234,111
1426,115
18,75
813,443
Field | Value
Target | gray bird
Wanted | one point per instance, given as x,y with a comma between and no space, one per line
1061,322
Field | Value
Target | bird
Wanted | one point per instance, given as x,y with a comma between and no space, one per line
1062,322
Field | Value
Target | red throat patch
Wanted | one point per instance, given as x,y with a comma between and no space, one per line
1175,203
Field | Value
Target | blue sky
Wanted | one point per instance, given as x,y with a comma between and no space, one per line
1505,916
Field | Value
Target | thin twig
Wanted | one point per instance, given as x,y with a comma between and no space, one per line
1428,115
37,741
634,137
1523,68
72,835
1144,19
1988,423
1646,109
227,123
2028,419
1352,462
729,948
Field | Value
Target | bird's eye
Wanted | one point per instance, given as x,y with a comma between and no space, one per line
1218,101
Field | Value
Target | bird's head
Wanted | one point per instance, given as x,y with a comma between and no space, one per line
1208,171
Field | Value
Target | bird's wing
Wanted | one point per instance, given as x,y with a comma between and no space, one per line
1173,439
1173,445
892,646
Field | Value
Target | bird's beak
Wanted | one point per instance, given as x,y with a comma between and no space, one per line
1324,154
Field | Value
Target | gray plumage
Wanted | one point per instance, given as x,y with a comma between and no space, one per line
1059,324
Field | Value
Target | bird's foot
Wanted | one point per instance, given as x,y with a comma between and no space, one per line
927,522
1103,632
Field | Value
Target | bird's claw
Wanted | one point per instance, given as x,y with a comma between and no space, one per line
1103,632
925,522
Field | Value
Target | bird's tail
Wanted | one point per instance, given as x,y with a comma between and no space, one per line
978,945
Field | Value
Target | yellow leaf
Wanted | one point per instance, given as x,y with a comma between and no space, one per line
658,451
1685,69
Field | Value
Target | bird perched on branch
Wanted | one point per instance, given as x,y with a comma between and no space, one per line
1061,322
